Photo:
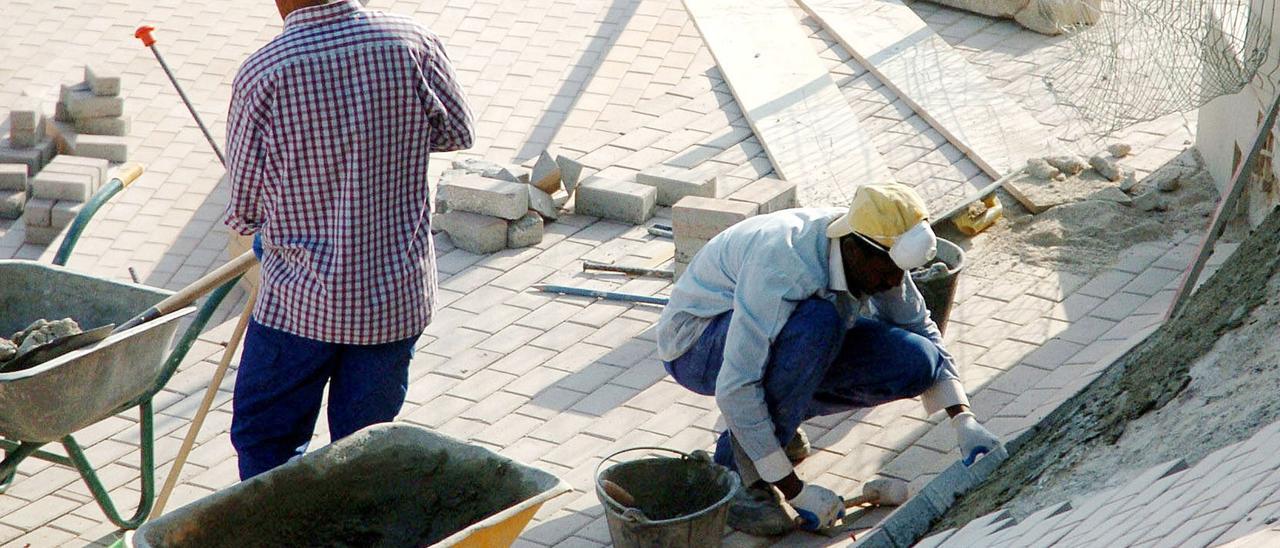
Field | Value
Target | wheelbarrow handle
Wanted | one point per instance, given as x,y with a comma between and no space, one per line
124,176
198,288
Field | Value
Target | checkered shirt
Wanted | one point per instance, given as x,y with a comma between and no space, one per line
328,136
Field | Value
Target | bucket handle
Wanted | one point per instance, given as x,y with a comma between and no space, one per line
633,514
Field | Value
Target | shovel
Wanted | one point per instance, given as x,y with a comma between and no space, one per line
182,298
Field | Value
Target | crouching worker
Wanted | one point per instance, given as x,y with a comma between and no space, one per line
768,319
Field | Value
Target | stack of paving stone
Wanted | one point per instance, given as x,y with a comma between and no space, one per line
89,119
695,219
26,142
487,207
58,193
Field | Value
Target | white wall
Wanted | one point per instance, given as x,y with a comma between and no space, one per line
1231,121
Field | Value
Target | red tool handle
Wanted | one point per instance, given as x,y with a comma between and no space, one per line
144,33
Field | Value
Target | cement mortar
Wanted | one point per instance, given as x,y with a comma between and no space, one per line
396,498
1204,380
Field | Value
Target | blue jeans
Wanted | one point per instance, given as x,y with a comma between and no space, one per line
817,368
280,384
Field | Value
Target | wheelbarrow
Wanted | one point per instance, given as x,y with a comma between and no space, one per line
49,402
390,484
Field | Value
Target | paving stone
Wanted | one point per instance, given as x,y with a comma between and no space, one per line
1118,306
687,248
13,177
473,232
570,173
102,84
63,213
617,200
1005,354
509,429
37,212
61,186
106,147
543,203
768,194
26,127
1106,284
12,203
526,231
1086,330
703,218
117,126
546,174
485,196
96,168
673,184
81,103
32,516
34,158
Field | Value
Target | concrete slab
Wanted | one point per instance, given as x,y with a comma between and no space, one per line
786,93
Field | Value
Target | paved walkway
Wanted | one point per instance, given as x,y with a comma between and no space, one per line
554,381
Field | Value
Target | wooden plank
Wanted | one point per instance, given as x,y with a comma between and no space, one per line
1226,208
937,82
807,128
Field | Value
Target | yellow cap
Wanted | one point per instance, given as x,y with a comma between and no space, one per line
890,214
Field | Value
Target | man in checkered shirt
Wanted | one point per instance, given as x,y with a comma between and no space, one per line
329,132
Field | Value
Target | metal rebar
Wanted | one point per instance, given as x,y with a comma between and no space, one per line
207,135
606,295
628,270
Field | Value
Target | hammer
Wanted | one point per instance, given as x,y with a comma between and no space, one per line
880,492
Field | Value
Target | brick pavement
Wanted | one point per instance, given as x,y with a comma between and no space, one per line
552,380
1231,495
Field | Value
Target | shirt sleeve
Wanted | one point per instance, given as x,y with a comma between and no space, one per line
452,125
247,157
764,297
904,307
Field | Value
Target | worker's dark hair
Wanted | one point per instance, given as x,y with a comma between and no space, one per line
866,245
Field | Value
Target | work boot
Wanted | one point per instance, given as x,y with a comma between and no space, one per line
758,510
798,448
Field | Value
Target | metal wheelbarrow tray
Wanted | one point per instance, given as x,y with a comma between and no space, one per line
51,401
391,484
61,396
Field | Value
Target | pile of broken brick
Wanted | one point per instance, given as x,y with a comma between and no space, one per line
50,167
487,207
1145,195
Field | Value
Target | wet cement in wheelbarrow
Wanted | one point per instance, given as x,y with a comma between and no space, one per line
397,498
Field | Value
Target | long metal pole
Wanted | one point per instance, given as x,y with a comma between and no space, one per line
144,33
597,294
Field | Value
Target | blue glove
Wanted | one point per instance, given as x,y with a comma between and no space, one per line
817,506
257,245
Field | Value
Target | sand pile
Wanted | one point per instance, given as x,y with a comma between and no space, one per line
1087,234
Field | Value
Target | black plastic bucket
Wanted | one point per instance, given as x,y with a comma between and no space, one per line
939,290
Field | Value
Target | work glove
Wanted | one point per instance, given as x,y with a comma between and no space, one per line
974,440
257,245
817,506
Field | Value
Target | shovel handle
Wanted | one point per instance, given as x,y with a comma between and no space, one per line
198,288
860,500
